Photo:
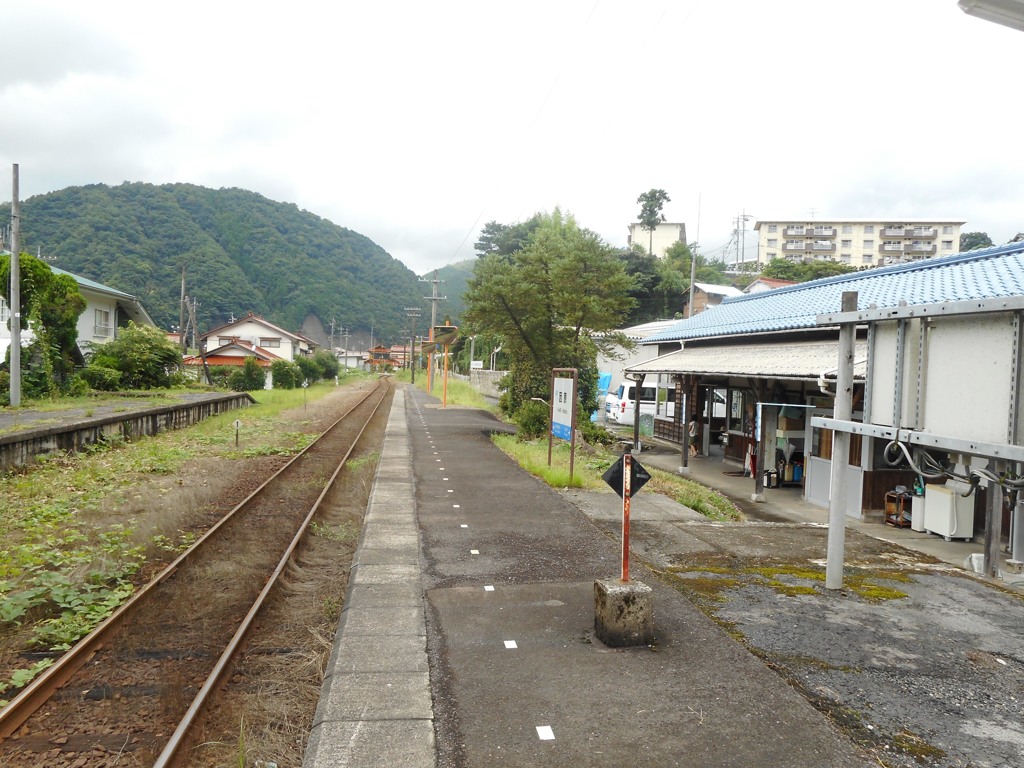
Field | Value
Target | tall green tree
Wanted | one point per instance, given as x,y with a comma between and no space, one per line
651,203
782,268
552,303
505,239
970,241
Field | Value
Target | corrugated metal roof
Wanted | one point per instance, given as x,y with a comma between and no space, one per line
87,283
804,360
719,290
982,274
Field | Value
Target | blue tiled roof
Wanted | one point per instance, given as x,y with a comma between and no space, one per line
983,274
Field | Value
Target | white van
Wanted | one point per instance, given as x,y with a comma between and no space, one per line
622,407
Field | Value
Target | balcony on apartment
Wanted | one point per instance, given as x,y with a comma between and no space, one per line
821,246
890,248
919,232
920,249
794,246
795,231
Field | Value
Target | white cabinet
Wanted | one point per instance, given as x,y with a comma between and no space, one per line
948,513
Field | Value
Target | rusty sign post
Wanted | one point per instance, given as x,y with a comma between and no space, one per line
626,476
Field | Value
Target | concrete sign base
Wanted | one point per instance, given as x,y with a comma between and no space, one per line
623,613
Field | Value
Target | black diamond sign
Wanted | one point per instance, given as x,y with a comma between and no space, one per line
638,476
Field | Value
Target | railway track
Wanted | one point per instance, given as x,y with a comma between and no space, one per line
132,691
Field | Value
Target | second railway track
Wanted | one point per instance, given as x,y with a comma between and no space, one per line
130,692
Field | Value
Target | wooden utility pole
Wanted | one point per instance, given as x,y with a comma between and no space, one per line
433,298
15,292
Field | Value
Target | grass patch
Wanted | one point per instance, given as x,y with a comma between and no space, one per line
707,501
69,553
533,457
591,464
460,393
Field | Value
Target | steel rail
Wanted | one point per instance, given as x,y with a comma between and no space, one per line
170,755
42,688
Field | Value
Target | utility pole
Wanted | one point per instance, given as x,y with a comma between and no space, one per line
412,313
433,298
15,385
333,321
181,313
193,307
693,262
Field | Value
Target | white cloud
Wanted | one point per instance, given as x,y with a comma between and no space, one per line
417,123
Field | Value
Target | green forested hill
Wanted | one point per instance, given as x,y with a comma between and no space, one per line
241,252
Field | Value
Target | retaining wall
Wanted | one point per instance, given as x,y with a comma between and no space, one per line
19,448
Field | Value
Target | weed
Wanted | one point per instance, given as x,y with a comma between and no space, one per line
344,532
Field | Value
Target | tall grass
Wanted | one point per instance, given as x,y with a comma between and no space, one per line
460,393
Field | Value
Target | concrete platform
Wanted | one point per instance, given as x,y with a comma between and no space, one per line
479,649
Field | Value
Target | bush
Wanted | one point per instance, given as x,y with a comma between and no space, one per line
532,420
219,374
595,434
101,377
248,378
143,355
327,363
76,386
286,375
309,370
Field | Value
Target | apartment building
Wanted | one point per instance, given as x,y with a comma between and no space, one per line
659,240
857,242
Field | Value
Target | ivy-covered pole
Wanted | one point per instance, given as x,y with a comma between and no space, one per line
15,292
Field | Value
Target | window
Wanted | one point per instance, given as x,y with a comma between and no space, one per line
772,228
772,255
846,244
741,411
270,341
821,443
869,229
947,229
947,245
102,328
773,242
844,257
869,245
5,313
821,446
847,229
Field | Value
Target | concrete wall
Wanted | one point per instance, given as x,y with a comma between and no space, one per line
19,448
486,382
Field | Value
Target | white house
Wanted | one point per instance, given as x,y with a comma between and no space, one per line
106,310
257,332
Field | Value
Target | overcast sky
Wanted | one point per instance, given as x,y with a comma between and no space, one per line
415,123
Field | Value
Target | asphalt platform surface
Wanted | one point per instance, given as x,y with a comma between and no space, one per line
914,663
517,675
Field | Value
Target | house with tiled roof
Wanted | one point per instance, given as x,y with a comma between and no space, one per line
773,357
256,332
